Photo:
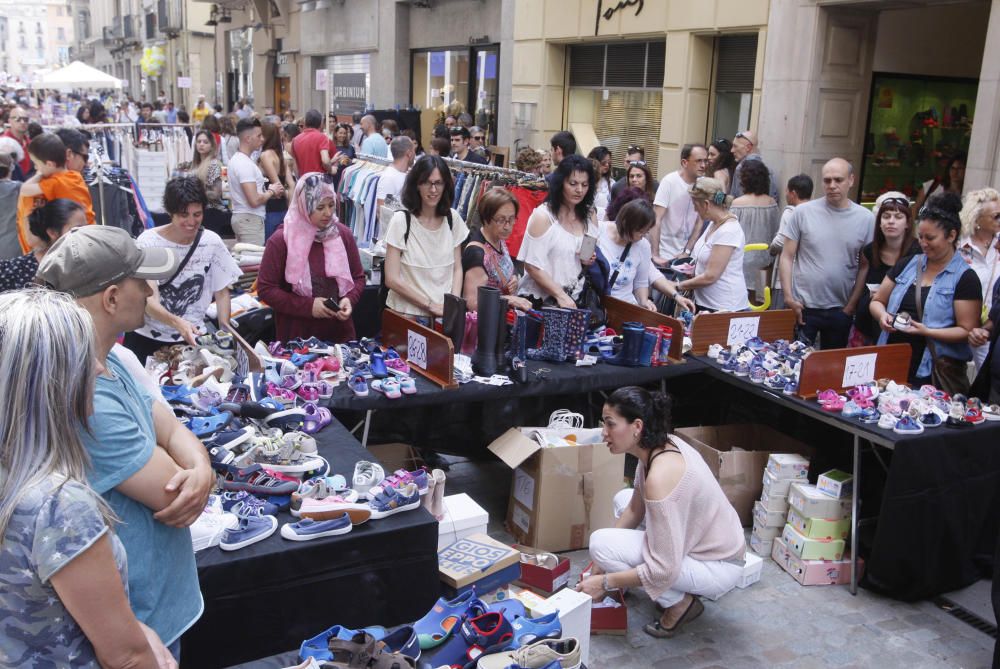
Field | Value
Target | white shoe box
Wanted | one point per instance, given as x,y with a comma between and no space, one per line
752,569
462,518
574,616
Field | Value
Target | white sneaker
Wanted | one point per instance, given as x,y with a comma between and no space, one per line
207,531
367,475
714,350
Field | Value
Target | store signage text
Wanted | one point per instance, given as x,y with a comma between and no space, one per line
612,9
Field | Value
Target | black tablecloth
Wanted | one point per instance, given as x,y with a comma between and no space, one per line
938,519
270,596
546,378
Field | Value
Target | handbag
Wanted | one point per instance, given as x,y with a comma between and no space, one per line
947,373
590,299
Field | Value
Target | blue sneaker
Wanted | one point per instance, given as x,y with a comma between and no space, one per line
435,627
376,360
907,425
307,528
931,419
776,382
791,387
869,415
318,646
403,640
243,503
730,365
358,385
230,439
758,374
742,369
850,410
755,344
179,394
530,630
395,500
475,637
250,530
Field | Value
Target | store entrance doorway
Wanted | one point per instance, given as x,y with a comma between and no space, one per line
282,95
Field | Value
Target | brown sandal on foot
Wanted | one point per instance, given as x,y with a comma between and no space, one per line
694,609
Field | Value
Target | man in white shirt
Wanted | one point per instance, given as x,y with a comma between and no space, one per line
246,185
677,226
390,182
373,144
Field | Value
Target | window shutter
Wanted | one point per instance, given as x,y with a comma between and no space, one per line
630,117
737,62
626,65
586,65
656,63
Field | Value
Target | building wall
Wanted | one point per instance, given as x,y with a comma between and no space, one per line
543,31
951,39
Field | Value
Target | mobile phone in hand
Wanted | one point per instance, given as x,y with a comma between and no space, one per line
331,304
587,247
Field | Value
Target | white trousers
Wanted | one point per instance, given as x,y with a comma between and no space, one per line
615,550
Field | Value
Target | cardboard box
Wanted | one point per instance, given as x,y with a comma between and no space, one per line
766,518
788,466
751,570
812,549
542,580
559,495
737,455
773,503
814,572
765,532
477,561
462,518
836,483
811,503
396,456
759,545
775,486
574,615
819,528
609,619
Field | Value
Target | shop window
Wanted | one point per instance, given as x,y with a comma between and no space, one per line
456,81
350,76
736,61
618,65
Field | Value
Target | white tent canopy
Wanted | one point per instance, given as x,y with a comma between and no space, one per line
77,75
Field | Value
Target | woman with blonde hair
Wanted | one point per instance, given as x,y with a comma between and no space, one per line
65,598
980,218
207,168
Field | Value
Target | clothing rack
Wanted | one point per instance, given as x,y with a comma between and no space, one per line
466,166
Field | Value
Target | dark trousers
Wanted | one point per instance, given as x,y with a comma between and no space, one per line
831,325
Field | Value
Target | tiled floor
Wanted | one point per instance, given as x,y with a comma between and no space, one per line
774,623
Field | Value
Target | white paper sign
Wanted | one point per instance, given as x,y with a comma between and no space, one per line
859,369
523,521
524,488
183,82
416,349
741,329
322,79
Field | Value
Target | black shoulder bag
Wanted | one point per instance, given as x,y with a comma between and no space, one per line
184,262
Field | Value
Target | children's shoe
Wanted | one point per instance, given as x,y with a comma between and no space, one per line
407,385
991,412
833,405
869,416
308,529
531,630
209,529
791,388
824,396
475,637
334,506
243,503
851,409
974,415
887,421
308,392
401,478
358,385
231,440
388,387
729,367
436,626
206,426
930,419
394,500
254,480
319,487
367,475
250,530
283,456
544,654
906,425
742,369
376,361
758,375
316,418
714,350
283,395
318,647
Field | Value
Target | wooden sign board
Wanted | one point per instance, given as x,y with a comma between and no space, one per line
620,311
842,368
428,353
737,326
253,361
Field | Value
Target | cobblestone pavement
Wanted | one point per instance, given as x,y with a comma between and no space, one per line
774,623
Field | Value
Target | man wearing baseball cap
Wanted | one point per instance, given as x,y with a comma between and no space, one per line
153,472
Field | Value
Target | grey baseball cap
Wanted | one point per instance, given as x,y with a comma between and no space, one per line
88,259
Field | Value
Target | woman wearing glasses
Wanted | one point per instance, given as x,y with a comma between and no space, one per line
423,243
894,240
980,224
486,260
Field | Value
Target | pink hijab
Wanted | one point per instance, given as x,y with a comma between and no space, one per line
300,234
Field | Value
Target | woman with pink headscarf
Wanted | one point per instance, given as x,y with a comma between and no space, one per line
311,273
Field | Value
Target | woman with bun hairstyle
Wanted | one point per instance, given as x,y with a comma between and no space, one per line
677,536
950,296
47,223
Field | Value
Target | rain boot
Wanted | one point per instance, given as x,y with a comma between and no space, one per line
555,326
484,361
632,336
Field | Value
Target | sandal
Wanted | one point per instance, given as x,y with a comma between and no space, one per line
316,419
694,609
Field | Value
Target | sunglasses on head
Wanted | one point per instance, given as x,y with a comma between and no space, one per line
634,148
896,200
637,163
19,118
746,139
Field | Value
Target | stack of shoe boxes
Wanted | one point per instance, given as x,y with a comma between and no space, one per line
812,544
770,513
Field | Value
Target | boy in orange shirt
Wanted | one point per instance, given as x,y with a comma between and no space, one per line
52,180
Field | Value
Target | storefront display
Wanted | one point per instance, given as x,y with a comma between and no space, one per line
916,125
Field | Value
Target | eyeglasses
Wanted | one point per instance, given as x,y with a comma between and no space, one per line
504,220
637,163
433,185
19,118
634,148
85,155
478,138
896,200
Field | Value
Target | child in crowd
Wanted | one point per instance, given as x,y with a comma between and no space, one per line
51,181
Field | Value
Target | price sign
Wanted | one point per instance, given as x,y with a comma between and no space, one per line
741,329
183,82
416,349
524,488
859,369
322,79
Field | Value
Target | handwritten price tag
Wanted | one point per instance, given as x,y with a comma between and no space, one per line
524,488
741,329
416,349
859,369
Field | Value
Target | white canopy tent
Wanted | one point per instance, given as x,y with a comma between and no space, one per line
77,75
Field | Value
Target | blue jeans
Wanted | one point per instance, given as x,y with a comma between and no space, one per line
272,220
832,326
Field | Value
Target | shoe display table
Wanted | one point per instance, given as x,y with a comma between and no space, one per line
290,659
269,596
544,379
940,510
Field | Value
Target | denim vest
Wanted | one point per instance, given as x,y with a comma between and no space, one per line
939,310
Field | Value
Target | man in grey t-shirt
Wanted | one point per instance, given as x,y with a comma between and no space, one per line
819,261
